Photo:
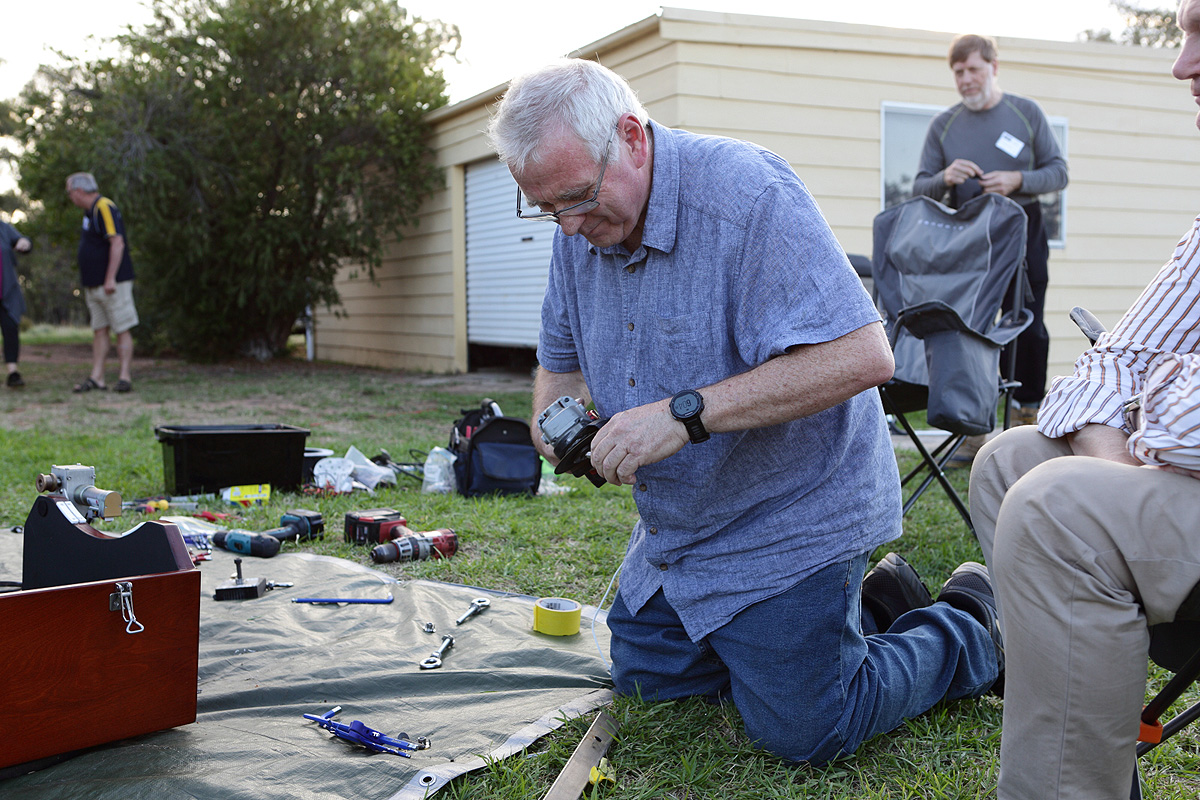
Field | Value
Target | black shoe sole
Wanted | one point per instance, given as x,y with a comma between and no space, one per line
969,589
893,588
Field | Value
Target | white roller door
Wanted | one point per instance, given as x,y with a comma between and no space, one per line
507,260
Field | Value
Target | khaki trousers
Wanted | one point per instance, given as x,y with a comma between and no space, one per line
1085,554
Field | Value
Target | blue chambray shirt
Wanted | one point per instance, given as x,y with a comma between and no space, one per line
736,265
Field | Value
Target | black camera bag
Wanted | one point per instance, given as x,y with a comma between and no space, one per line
494,453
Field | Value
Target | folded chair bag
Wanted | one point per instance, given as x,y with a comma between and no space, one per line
942,275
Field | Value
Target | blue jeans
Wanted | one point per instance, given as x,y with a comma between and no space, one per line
810,686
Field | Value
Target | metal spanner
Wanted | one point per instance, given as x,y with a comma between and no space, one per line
435,659
478,605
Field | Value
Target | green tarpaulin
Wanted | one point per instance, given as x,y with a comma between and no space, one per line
265,662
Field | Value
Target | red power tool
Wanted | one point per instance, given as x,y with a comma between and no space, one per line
417,546
374,526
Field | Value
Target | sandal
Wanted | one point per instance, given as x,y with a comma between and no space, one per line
123,386
88,385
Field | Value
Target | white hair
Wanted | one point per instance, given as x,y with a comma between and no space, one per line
84,181
572,94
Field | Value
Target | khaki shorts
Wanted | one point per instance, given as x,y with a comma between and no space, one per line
113,311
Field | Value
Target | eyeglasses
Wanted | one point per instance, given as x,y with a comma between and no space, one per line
570,211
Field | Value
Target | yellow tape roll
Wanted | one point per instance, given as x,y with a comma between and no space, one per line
556,616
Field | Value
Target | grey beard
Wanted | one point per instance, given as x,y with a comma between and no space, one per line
976,103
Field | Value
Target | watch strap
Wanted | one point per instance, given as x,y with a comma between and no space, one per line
696,430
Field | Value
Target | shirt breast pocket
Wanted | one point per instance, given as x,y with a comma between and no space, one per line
692,351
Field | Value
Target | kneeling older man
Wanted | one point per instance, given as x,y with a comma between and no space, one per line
697,296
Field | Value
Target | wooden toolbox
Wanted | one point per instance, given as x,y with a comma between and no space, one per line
99,660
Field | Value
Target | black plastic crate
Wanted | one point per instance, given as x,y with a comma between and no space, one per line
207,458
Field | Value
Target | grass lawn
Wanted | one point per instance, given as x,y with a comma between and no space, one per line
40,334
566,545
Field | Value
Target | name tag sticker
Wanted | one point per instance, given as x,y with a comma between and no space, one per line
1010,144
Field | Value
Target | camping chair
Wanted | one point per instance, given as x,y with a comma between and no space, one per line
941,276
1174,646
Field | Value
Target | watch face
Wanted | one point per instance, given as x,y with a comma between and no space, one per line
686,405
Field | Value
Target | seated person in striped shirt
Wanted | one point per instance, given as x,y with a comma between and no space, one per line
1086,553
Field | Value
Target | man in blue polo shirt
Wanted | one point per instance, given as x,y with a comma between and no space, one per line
698,298
106,272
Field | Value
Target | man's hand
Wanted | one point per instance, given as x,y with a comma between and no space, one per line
960,169
1003,182
643,435
110,285
23,245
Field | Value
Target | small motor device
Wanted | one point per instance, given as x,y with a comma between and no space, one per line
374,526
569,428
77,483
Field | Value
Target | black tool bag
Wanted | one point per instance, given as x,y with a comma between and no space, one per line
494,453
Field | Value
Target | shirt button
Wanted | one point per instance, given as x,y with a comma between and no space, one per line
632,382
630,326
630,269
662,567
653,531
641,487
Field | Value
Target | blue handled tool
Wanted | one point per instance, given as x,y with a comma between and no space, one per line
373,600
369,738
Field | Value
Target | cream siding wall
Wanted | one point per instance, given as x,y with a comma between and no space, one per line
413,316
812,91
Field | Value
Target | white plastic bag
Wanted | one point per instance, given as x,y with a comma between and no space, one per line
334,473
439,471
367,472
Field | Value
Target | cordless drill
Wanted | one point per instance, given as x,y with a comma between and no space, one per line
247,543
299,524
413,545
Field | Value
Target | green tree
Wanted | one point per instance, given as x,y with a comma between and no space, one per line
1148,27
47,274
10,200
254,147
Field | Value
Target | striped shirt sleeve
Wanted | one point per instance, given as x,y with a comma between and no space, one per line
1170,428
1165,319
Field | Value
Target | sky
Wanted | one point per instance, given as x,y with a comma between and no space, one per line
503,39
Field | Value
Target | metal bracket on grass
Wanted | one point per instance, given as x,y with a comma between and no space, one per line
571,782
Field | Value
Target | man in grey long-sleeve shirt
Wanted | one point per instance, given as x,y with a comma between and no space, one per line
994,141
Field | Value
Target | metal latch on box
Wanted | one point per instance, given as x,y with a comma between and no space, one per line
122,600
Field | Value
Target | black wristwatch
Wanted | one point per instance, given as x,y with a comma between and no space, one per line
686,407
